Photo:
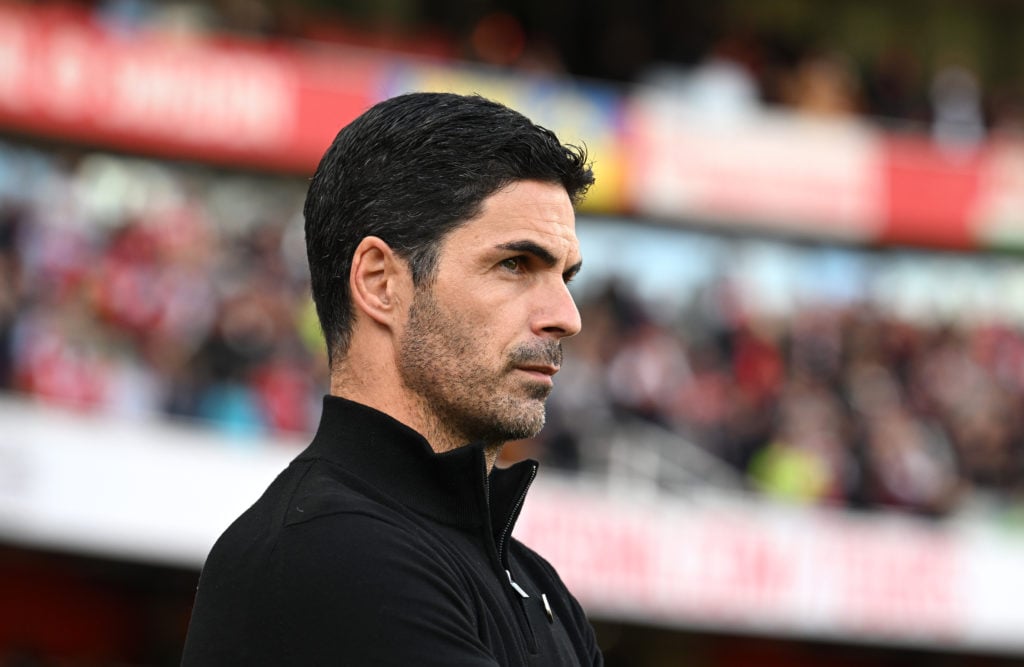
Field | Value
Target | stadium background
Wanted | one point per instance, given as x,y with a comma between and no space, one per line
790,434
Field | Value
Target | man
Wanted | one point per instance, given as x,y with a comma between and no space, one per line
441,237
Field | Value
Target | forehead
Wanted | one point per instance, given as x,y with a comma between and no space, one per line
524,210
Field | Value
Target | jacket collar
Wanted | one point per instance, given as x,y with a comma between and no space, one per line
451,487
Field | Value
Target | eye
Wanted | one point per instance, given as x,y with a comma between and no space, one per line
514,264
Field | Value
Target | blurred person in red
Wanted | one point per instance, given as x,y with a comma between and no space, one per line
440,233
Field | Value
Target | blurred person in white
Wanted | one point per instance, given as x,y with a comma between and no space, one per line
440,234
957,108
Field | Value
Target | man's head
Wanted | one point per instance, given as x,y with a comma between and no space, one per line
409,171
441,235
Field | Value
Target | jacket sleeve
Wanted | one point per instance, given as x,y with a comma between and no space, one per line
350,589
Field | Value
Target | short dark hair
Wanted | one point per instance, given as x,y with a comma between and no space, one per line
410,170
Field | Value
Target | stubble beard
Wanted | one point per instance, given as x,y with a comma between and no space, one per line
462,398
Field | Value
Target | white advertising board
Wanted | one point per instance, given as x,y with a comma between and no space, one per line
162,493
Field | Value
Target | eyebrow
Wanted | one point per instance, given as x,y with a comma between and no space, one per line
541,253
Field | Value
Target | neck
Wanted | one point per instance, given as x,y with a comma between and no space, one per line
436,429
363,384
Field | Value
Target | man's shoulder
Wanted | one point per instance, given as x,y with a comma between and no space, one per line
304,498
336,572
340,540
324,489
315,524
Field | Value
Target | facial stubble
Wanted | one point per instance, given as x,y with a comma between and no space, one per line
463,398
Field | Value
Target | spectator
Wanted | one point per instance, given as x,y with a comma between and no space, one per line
182,305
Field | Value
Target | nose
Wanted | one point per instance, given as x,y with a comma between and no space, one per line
558,315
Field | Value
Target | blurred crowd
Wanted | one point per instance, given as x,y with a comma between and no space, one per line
132,288
138,288
842,405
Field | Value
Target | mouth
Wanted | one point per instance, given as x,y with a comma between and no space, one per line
541,372
539,361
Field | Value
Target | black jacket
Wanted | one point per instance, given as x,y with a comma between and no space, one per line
370,549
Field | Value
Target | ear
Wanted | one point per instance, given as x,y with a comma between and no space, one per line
377,280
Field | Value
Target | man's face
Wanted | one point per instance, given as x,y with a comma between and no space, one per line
482,341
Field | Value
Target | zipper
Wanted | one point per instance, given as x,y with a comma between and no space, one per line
514,592
503,535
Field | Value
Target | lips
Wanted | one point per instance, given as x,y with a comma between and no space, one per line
542,369
541,361
539,376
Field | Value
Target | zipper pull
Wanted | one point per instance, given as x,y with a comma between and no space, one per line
547,608
516,587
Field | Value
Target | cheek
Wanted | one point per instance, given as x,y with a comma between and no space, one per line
505,321
496,318
492,333
483,310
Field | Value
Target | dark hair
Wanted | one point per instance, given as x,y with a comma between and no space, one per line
410,170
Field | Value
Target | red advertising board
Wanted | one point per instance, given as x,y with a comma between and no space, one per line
277,105
840,179
253,104
930,192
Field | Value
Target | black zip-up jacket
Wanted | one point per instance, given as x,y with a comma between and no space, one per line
371,549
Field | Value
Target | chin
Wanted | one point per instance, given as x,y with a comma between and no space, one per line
527,425
514,424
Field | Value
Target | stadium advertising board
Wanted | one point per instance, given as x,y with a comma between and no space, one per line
997,213
930,191
277,105
840,179
256,104
753,567
768,170
153,492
